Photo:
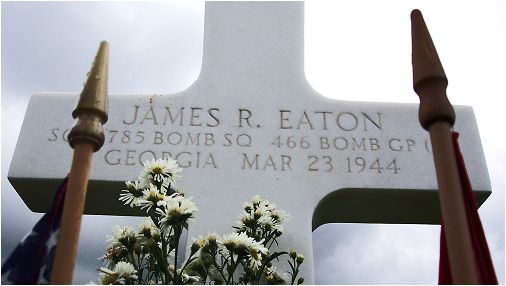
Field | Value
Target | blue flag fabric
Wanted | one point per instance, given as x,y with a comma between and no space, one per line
32,260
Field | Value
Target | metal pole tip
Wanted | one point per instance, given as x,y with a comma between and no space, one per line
91,109
425,60
416,13
429,78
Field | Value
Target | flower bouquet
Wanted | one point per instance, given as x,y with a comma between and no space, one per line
150,254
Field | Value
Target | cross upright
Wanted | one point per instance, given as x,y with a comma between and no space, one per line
251,124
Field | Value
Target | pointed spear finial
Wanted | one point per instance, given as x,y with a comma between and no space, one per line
429,78
91,109
437,116
86,137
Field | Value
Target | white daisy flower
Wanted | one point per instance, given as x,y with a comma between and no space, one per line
254,263
164,171
148,229
115,251
248,218
174,197
241,243
247,206
266,220
232,239
146,224
210,240
151,196
109,277
122,271
257,248
122,235
132,193
176,210
256,200
265,207
279,216
125,270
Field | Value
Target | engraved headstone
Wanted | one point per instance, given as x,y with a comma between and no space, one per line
251,124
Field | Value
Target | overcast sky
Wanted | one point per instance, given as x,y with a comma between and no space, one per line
354,50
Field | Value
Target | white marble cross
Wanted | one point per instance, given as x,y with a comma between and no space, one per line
251,124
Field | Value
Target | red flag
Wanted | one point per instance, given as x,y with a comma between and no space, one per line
483,260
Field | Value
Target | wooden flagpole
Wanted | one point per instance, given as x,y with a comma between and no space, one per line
86,137
436,115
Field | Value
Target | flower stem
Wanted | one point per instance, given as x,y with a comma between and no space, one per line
131,253
295,270
162,261
232,270
218,268
140,270
177,235
188,261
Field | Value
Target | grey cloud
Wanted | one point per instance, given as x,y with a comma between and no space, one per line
361,253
